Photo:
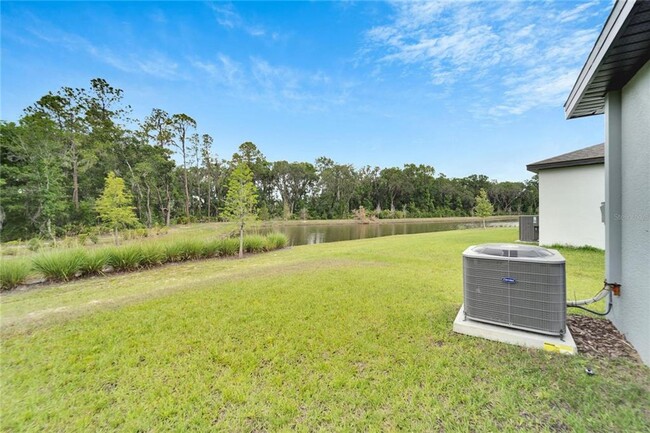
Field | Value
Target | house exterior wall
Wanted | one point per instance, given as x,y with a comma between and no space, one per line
569,206
631,311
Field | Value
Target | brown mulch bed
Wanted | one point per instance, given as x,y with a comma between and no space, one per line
599,338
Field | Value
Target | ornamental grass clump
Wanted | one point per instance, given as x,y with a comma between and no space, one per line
276,241
61,265
229,247
190,249
152,255
173,252
212,248
254,244
13,273
94,262
125,258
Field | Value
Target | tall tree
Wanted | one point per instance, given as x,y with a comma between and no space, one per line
395,184
65,109
153,172
336,187
158,127
293,181
33,193
114,206
182,123
369,188
206,149
240,200
249,154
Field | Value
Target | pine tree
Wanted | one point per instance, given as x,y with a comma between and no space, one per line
114,205
240,200
483,207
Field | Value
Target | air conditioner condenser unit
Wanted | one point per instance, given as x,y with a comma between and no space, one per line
518,286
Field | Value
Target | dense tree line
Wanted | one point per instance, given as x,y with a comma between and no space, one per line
55,158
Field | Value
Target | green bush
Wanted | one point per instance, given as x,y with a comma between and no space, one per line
254,244
125,258
229,247
94,262
13,273
191,249
173,252
60,265
275,241
182,250
153,255
213,248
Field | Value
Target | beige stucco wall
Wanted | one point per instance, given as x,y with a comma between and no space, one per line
631,312
569,206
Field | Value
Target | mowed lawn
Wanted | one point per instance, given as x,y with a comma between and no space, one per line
349,336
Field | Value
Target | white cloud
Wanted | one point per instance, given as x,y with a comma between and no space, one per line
225,71
530,53
228,17
278,86
577,13
150,63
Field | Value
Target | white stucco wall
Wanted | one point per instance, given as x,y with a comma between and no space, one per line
631,311
569,206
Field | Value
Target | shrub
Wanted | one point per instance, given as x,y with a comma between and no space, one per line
94,262
181,250
173,252
60,265
13,273
191,249
275,241
153,255
213,248
229,247
125,258
254,244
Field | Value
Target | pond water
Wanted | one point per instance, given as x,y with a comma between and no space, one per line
308,234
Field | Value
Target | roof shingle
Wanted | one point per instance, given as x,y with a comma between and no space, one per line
587,156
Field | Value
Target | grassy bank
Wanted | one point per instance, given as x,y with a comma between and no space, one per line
69,264
345,336
16,249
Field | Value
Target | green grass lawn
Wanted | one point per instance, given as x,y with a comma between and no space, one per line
348,336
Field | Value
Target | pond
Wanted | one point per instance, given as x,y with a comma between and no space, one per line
307,234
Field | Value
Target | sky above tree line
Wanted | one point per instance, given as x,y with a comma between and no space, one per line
467,87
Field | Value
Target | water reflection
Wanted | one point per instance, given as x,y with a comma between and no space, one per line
317,234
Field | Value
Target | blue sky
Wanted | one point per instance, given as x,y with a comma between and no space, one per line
467,87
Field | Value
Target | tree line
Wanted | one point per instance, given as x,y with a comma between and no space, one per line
55,158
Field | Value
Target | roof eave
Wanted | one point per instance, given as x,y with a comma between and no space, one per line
535,168
615,22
